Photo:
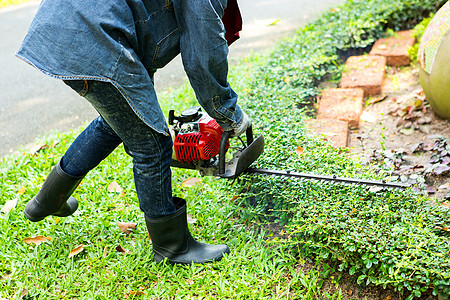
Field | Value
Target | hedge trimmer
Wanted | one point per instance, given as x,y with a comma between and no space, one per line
201,144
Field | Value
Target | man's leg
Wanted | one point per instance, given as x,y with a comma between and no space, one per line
151,151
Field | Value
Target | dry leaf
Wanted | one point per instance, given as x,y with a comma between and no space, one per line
37,148
190,182
9,205
445,204
37,240
76,250
55,143
299,150
136,293
368,117
190,219
150,239
127,227
378,99
105,251
234,198
24,293
57,220
189,281
114,187
21,191
442,228
122,250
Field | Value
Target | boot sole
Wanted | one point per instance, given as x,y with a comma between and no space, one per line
159,258
32,219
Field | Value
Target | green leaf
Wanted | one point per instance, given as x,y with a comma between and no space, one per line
361,278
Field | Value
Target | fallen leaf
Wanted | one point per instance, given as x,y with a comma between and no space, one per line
122,250
55,143
441,169
368,117
190,182
9,205
105,251
442,228
136,293
234,198
24,293
37,148
114,187
127,227
21,191
299,150
425,129
266,22
430,190
191,219
375,189
37,240
445,204
76,250
378,99
57,220
407,131
189,281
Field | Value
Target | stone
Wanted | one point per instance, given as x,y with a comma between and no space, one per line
366,72
332,130
341,104
395,48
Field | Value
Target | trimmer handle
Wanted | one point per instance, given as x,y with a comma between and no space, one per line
223,146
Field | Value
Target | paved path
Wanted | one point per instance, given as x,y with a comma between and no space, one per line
33,104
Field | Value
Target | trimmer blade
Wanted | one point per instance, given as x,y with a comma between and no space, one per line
242,159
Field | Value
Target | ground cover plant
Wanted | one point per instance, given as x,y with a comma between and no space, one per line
384,237
387,238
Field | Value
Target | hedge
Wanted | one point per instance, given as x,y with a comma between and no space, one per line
387,237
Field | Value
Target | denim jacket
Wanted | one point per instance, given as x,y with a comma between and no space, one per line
125,41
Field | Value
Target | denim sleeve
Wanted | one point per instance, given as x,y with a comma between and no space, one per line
204,52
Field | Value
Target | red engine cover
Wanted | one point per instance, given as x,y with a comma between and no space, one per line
202,144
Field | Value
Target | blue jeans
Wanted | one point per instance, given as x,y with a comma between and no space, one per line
117,123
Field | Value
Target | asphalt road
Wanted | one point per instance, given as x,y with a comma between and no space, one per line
33,104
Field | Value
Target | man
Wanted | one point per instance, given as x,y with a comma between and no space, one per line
108,52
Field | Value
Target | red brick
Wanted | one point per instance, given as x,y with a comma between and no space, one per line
366,72
395,48
341,104
334,131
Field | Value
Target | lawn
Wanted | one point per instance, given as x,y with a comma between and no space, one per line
382,238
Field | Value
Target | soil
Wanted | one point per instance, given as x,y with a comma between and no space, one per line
400,123
384,128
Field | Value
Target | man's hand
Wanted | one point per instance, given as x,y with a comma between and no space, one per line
245,123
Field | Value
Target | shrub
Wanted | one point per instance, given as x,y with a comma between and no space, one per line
383,237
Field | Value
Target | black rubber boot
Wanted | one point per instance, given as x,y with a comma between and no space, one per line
172,240
54,197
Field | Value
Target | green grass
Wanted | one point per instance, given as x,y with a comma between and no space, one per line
252,270
255,269
386,238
